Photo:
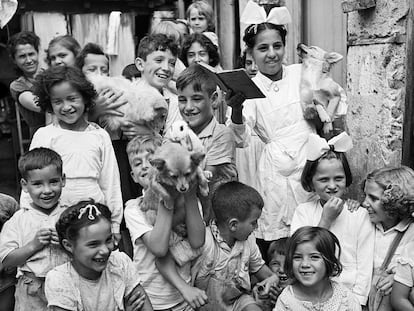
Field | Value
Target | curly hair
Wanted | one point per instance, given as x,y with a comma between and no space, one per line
75,217
67,41
251,32
398,185
204,9
56,75
213,54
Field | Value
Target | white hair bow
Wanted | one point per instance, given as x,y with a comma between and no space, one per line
256,14
88,209
317,146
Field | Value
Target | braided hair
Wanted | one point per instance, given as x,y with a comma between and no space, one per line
82,214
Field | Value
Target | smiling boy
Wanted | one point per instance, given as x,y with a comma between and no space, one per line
29,240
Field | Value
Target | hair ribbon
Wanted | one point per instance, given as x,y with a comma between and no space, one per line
256,14
89,209
317,146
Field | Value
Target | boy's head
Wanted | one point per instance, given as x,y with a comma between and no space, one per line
156,57
92,59
197,97
277,255
237,207
42,177
140,150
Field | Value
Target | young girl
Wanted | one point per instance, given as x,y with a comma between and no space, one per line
327,174
200,18
89,161
96,278
198,48
62,51
389,193
312,259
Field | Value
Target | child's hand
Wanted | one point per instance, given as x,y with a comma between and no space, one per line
353,205
274,293
194,296
54,239
385,283
234,100
135,301
107,102
117,238
332,208
131,130
268,283
42,238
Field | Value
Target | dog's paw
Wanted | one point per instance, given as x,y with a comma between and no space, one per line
208,175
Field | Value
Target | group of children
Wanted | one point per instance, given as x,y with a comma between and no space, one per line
200,252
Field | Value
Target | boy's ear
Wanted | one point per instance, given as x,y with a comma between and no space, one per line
139,63
23,183
68,246
233,224
214,99
63,180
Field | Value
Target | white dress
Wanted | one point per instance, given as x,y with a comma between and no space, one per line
278,121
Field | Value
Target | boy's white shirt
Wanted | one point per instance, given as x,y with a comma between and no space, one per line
21,228
355,234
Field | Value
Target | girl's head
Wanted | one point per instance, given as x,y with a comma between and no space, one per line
24,50
312,256
66,93
84,232
327,176
169,29
62,50
198,48
200,16
267,42
389,195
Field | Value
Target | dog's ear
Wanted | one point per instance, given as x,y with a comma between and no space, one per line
333,57
159,164
197,157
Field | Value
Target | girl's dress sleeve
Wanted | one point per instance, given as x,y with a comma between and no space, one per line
60,290
109,182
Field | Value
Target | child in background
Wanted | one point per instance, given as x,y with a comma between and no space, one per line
196,100
62,51
327,174
230,252
388,200
277,257
312,259
198,48
92,59
8,206
248,63
402,295
152,241
29,240
89,161
96,278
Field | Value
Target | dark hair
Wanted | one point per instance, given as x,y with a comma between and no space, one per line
130,71
22,38
89,48
310,169
80,215
277,247
252,31
204,9
55,75
206,43
235,200
68,42
37,159
325,242
156,42
196,76
398,185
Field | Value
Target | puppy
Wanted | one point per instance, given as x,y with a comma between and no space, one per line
145,105
174,169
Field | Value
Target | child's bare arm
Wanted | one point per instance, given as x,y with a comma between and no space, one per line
195,297
194,222
266,277
20,255
137,300
400,297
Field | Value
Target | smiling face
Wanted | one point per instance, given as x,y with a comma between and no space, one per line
308,266
268,52
61,56
277,265
96,64
196,107
329,179
45,187
197,22
197,53
158,68
140,165
91,250
372,202
26,59
68,106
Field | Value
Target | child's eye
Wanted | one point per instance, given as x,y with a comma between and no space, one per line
323,179
296,257
315,257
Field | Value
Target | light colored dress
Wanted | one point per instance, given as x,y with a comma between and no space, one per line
279,123
89,164
405,266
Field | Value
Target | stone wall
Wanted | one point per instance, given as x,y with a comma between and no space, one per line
376,86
